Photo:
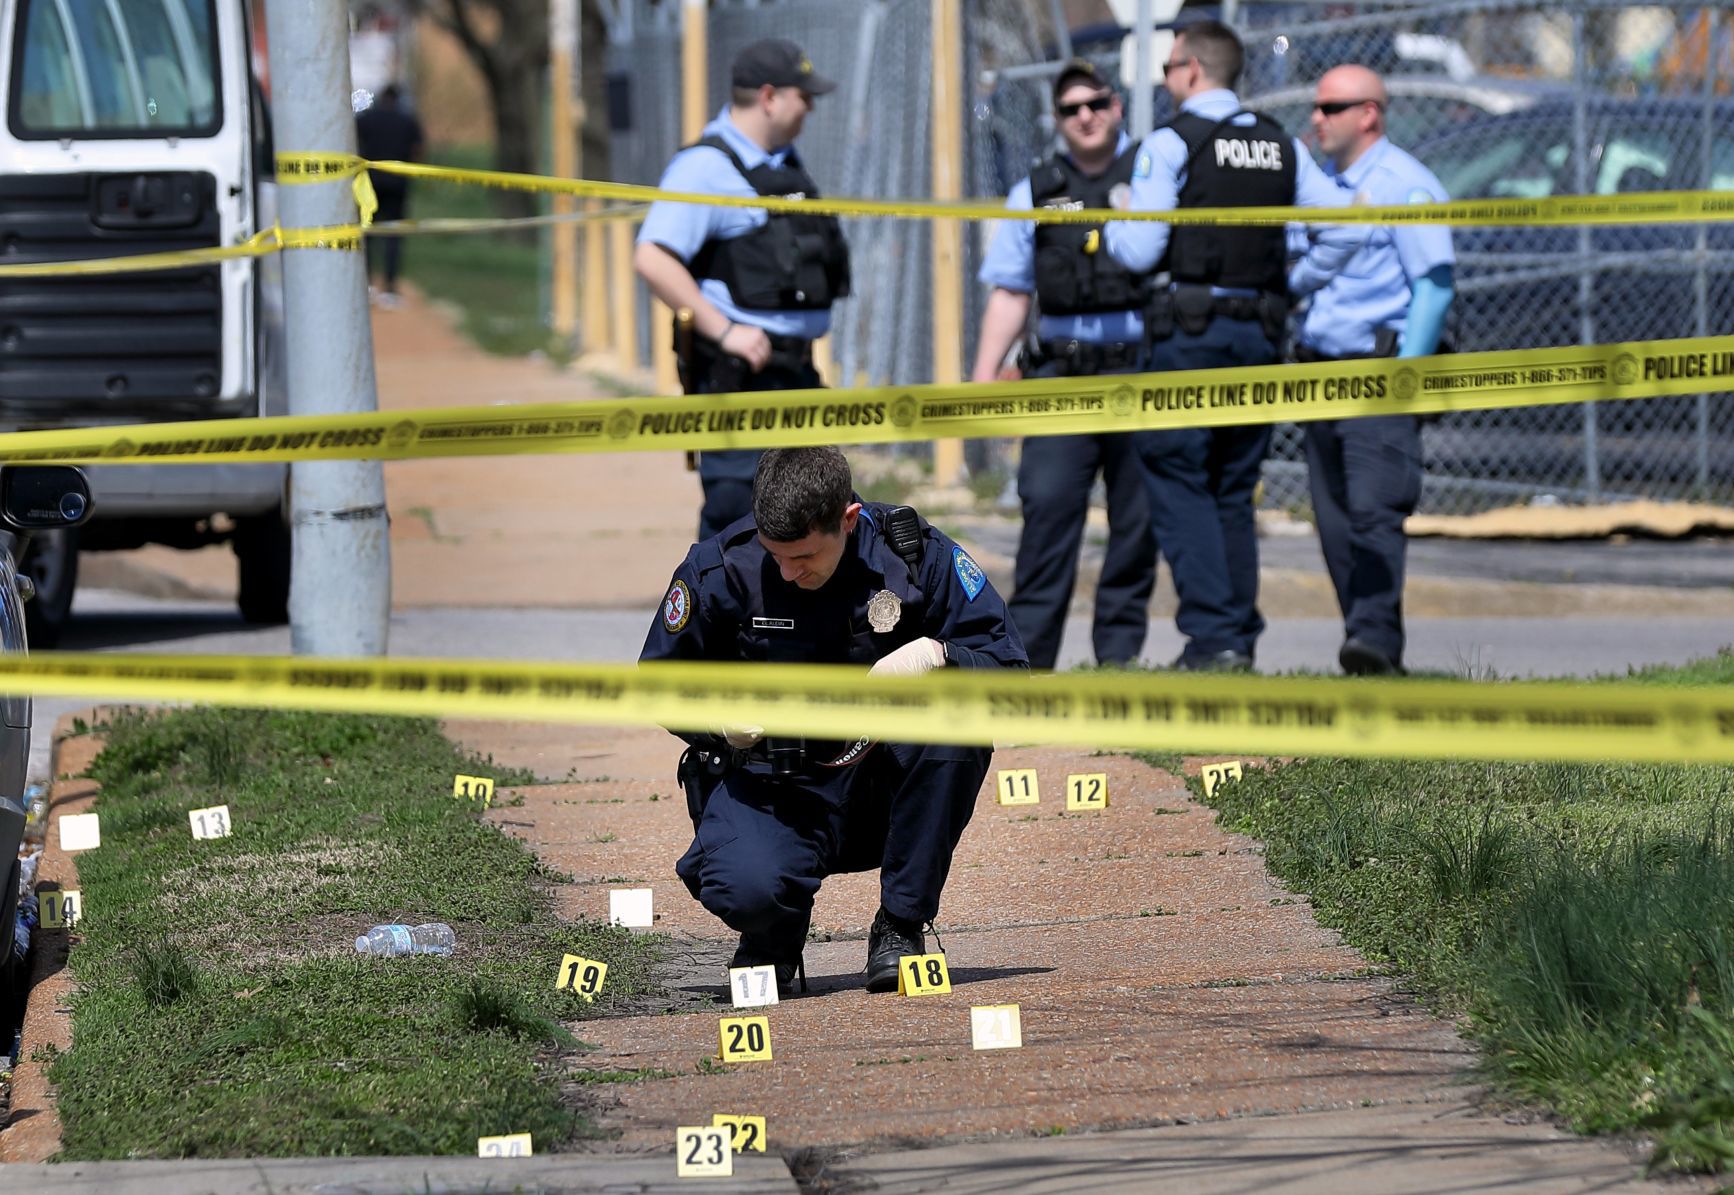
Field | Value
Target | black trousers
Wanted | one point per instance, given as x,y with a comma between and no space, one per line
1365,477
392,201
727,474
1055,476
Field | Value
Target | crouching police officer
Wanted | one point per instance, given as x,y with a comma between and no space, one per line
759,287
817,576
1091,323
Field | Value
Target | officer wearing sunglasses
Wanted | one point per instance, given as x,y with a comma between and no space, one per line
1091,323
1389,301
1226,304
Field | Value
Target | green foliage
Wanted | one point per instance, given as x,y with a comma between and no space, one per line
1579,918
224,971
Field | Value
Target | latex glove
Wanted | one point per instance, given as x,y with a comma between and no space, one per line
741,737
912,659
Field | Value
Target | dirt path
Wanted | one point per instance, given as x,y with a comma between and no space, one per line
1161,974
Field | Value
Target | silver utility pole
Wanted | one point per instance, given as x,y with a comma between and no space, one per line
340,593
1143,98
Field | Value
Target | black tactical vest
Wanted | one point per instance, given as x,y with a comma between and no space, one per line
1075,273
792,262
1229,165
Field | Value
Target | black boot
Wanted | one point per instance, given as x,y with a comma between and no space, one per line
751,953
888,941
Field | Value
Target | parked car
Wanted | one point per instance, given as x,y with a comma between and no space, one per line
1422,106
1522,287
135,128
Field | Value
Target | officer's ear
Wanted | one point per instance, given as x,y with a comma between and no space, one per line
851,516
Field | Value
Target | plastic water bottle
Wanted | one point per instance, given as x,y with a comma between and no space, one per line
435,937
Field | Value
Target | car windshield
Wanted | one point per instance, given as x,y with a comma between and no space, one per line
107,68
1531,159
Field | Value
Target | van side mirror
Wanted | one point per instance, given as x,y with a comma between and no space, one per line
43,497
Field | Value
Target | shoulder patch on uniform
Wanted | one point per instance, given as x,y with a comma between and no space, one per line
1144,165
1419,195
969,573
676,608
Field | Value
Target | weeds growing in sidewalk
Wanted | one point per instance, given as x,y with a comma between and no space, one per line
223,1010
1579,919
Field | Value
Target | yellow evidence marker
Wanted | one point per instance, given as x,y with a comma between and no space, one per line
746,1132
1086,791
744,1039
511,1145
61,910
474,788
703,1152
582,975
1017,786
996,1027
923,975
1215,775
210,823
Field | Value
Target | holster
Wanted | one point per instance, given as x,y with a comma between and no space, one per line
1159,316
701,770
1193,308
1273,315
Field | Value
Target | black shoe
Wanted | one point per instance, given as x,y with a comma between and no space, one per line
887,942
1227,660
752,954
1360,658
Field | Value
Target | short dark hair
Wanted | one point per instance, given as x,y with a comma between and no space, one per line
799,491
743,97
1220,55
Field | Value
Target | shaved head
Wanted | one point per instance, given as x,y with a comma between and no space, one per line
1349,112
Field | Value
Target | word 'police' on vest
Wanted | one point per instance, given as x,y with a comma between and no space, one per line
1249,155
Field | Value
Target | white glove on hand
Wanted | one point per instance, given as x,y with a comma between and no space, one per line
912,659
741,737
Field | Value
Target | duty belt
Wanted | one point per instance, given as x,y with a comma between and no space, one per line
1079,358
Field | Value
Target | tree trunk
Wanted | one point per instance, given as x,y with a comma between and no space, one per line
517,96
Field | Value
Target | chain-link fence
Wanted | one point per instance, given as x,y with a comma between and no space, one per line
1500,99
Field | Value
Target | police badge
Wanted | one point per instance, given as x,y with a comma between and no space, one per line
883,611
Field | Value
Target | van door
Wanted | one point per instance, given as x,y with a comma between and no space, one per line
127,130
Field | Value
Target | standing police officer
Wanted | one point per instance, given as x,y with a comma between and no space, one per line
1226,305
816,576
1091,323
759,287
1390,300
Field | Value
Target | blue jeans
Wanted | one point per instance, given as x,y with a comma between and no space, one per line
1201,484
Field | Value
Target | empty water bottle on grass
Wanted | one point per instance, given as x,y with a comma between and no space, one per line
435,937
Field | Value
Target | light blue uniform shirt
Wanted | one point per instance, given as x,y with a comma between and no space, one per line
683,228
1373,290
1160,173
1010,264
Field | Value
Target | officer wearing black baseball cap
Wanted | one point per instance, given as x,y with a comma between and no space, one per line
778,62
757,288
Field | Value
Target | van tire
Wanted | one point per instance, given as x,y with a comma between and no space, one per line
262,549
51,563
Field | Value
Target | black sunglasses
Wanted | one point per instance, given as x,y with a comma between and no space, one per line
1332,107
1100,103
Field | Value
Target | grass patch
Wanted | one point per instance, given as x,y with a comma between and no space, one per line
495,279
1579,919
223,1011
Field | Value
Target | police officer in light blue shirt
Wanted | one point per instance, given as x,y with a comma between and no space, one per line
1390,299
759,285
1226,305
1091,323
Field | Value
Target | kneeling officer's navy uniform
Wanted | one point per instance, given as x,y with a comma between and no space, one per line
771,823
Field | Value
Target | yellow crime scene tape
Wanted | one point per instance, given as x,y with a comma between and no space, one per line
1638,207
881,414
1134,711
346,237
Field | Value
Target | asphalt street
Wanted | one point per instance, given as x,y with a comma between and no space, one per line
111,620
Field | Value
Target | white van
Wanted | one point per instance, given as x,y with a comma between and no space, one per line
136,126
